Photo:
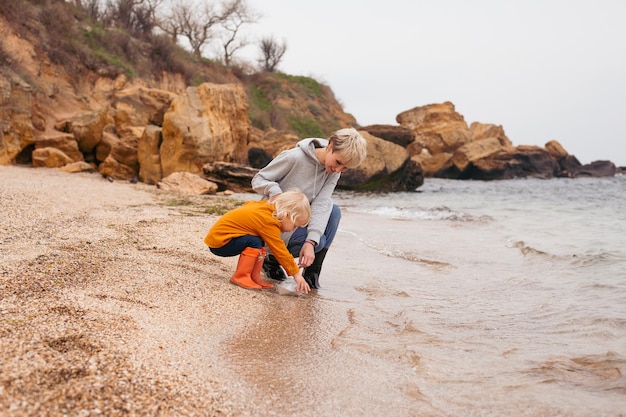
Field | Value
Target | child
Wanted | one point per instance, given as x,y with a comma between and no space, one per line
245,231
314,167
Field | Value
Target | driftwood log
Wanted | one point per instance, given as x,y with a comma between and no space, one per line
230,176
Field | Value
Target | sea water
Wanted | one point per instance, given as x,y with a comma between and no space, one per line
502,298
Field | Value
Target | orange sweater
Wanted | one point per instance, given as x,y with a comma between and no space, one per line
253,218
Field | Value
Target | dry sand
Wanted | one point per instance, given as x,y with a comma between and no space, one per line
111,304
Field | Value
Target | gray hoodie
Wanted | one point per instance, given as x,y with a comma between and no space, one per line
299,168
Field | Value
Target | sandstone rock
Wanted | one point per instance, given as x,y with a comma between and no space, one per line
397,134
274,141
131,110
187,183
555,149
485,130
80,166
119,156
143,105
473,151
50,158
86,128
206,124
63,142
109,140
110,167
386,168
432,164
437,127
148,155
417,149
17,132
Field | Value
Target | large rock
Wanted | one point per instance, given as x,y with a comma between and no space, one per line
143,105
86,128
397,134
520,162
486,130
273,141
63,142
16,106
132,109
149,156
187,183
437,127
596,169
387,167
49,158
432,164
230,176
206,124
474,151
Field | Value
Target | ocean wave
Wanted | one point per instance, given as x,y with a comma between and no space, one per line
597,372
415,213
396,253
526,249
591,258
409,256
586,259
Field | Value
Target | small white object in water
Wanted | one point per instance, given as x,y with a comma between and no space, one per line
287,287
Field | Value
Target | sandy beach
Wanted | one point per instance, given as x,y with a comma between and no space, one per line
111,304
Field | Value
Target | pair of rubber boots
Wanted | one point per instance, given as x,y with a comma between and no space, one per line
248,273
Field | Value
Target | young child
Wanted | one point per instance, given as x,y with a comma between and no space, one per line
246,230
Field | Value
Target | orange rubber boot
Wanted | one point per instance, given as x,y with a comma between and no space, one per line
256,272
247,261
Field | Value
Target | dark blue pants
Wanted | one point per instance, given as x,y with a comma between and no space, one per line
299,235
237,245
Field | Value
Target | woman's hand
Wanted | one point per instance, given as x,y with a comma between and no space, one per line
307,255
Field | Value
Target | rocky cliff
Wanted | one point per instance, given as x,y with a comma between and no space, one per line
77,115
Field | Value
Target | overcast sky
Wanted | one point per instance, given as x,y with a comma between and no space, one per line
543,69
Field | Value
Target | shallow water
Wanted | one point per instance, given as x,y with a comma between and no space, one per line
465,298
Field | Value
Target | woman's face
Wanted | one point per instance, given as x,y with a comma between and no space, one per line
335,161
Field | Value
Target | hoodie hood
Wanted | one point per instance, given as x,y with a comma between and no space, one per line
309,145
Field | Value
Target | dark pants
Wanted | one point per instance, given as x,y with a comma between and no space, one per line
299,235
237,245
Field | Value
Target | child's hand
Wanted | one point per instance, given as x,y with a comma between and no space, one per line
302,287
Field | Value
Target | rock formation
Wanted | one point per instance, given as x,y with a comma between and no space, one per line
149,129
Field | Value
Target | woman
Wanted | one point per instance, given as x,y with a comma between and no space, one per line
313,167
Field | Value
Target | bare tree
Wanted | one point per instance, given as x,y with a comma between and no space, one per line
136,16
91,8
272,53
235,14
197,27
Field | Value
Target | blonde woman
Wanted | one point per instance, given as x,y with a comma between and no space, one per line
246,230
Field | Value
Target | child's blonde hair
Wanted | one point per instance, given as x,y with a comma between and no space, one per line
294,204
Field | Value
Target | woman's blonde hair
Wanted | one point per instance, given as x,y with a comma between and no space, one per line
294,204
350,144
